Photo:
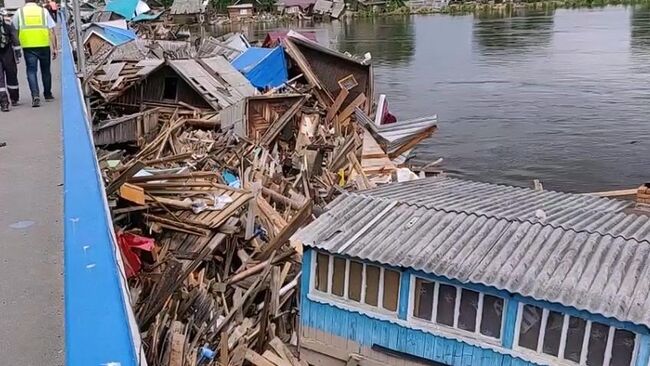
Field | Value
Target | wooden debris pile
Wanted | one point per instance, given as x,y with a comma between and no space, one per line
221,192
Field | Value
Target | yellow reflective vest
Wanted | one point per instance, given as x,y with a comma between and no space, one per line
33,31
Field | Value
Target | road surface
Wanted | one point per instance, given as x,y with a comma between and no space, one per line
31,231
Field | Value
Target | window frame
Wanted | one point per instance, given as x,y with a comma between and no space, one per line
345,300
454,330
559,359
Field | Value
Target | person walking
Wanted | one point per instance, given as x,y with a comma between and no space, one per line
9,58
38,40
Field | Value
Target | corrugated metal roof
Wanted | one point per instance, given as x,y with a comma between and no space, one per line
486,234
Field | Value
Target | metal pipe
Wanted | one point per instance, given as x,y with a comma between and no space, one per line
81,55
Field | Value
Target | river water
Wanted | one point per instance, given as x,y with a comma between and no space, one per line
562,96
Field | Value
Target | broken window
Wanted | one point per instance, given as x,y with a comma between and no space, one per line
553,333
391,289
423,299
354,290
597,344
492,316
170,88
322,269
468,310
531,321
338,277
574,338
372,285
622,348
446,305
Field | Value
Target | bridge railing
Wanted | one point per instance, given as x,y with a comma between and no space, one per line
99,324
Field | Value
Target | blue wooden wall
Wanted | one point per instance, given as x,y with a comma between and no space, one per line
367,331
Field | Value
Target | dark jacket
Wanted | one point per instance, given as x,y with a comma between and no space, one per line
8,36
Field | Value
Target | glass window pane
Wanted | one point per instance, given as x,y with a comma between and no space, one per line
622,348
574,338
372,285
553,333
338,277
597,344
391,289
354,282
423,299
492,316
531,322
322,267
468,310
446,305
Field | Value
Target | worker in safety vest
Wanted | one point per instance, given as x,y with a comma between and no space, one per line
38,40
9,58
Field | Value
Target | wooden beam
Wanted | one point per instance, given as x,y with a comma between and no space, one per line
616,193
296,222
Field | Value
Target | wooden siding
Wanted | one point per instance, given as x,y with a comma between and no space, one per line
330,69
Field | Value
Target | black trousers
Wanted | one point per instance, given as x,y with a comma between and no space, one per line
8,72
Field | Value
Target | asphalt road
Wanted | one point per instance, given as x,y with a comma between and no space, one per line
31,231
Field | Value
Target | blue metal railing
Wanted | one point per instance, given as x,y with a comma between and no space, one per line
97,326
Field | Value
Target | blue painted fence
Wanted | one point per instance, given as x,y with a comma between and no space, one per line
97,328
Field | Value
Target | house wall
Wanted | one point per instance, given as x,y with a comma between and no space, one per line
152,89
330,69
238,14
95,43
185,18
338,330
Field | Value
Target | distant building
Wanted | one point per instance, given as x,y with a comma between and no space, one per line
188,11
240,12
296,7
444,271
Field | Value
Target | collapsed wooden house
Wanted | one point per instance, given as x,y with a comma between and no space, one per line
210,83
341,79
98,36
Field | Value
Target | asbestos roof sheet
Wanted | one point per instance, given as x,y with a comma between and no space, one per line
577,212
587,253
220,67
216,91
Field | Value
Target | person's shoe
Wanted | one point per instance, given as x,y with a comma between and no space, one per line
4,107
49,98
36,102
15,103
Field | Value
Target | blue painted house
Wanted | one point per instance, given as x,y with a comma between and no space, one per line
443,271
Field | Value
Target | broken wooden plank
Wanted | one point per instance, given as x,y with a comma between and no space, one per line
132,193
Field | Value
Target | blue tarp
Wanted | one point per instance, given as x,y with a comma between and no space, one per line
263,67
145,17
116,36
125,8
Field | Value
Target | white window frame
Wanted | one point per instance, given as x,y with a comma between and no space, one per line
560,360
345,300
454,330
